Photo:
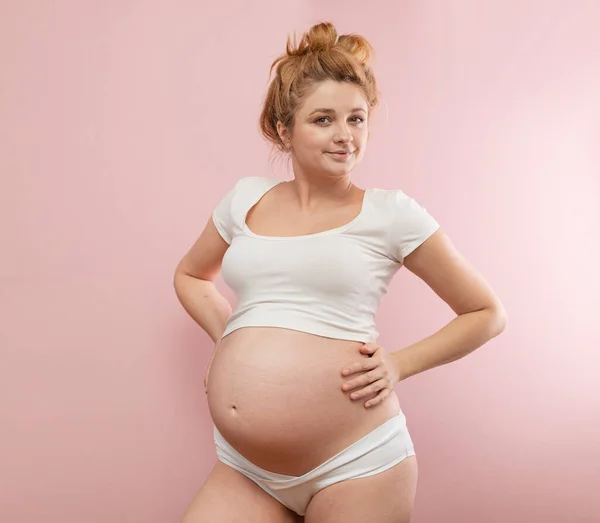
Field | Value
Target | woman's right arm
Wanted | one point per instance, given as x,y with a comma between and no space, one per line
193,282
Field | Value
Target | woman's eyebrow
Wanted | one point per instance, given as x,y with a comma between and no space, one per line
326,110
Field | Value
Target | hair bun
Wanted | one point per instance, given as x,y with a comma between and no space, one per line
320,37
324,37
358,47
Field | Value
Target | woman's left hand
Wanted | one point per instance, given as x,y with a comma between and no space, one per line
381,375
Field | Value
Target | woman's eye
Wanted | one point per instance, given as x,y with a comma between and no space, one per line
319,120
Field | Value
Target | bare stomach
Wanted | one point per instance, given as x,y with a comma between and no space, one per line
275,395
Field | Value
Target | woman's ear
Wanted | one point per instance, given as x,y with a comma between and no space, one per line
284,136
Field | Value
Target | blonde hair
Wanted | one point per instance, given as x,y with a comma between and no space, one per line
321,55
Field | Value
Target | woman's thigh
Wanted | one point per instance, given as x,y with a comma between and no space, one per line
387,497
227,496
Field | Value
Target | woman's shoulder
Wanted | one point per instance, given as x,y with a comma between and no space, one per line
396,205
248,186
386,199
392,199
247,190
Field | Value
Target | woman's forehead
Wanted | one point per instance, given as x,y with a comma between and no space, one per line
334,96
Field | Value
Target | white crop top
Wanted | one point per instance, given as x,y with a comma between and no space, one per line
329,283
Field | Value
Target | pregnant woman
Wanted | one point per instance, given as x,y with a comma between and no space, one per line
307,426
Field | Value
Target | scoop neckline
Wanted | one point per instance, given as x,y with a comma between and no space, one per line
327,232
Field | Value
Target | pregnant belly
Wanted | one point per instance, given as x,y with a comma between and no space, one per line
275,395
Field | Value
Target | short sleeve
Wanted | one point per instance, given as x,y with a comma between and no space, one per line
411,225
223,216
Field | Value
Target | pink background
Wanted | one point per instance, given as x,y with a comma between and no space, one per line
123,123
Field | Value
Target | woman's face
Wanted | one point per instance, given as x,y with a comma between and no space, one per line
333,118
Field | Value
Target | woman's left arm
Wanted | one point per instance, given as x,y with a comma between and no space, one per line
480,314
480,317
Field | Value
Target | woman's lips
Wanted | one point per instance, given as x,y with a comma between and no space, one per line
340,156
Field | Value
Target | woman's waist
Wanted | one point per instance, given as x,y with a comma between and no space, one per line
309,320
271,353
249,334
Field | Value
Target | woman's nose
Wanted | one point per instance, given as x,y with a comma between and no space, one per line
344,136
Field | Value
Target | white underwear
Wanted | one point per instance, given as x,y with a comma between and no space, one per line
376,452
